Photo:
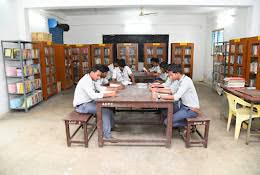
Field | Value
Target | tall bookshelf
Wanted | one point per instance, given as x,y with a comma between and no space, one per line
48,68
156,50
76,66
23,75
220,69
64,65
85,58
102,54
182,53
237,57
253,62
128,52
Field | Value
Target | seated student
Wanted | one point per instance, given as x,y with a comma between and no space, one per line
186,92
155,69
163,75
122,73
111,67
85,95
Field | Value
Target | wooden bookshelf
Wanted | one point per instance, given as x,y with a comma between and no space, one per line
154,50
253,62
75,62
48,68
128,52
237,57
182,53
102,54
85,59
64,65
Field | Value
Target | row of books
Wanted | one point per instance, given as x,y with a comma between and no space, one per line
221,48
178,60
239,59
159,51
49,51
14,53
28,70
27,86
253,67
20,102
254,50
239,71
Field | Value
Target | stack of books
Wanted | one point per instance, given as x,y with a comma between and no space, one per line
234,82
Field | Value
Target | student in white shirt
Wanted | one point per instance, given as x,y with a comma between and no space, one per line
123,73
155,69
186,92
163,75
85,95
111,67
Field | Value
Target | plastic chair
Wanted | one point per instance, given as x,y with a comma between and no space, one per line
241,114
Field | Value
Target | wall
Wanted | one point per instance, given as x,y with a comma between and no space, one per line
8,19
37,21
181,28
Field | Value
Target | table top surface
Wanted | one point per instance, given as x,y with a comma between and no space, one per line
250,95
142,74
133,93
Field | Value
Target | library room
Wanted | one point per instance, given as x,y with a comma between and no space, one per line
130,87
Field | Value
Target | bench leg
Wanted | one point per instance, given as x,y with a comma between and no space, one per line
206,133
67,127
187,141
85,134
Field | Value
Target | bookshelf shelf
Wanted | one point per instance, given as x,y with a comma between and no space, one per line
23,78
128,52
182,53
156,50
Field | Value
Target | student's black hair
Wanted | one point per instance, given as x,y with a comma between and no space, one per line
175,68
96,67
156,60
164,65
104,68
121,63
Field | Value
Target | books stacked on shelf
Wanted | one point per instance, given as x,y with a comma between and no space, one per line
24,87
20,102
254,50
234,82
27,70
14,53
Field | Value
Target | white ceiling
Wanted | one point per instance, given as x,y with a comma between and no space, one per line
162,10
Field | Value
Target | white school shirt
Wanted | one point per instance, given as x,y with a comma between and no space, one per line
110,73
155,69
187,93
121,76
99,84
85,91
173,85
164,76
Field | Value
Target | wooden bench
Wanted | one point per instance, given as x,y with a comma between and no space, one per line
193,123
83,121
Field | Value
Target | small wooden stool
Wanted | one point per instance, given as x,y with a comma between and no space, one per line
82,120
200,120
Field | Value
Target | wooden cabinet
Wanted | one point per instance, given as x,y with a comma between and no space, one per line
237,57
182,53
154,50
102,54
253,62
64,65
85,59
48,69
128,52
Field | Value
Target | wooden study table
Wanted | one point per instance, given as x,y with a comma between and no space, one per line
143,77
134,97
252,96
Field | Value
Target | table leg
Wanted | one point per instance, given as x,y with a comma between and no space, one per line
249,125
99,125
169,125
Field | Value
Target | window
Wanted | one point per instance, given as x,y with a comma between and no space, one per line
217,38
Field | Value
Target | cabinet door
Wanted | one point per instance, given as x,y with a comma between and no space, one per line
107,55
132,57
159,53
97,55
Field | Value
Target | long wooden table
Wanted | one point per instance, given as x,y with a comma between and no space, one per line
252,96
134,97
143,77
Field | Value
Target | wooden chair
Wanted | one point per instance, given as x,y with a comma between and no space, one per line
83,121
194,122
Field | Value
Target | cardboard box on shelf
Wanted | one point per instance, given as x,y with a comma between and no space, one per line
41,36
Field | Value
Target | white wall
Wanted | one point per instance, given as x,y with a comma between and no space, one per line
37,21
181,28
8,31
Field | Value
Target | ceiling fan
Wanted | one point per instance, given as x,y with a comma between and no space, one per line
144,14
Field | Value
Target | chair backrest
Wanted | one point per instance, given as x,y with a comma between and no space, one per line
231,102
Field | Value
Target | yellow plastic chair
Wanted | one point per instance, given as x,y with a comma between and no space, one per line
241,114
